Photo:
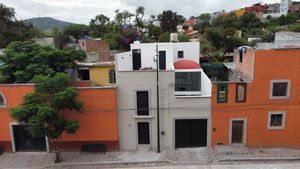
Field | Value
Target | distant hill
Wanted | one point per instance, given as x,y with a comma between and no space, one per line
47,23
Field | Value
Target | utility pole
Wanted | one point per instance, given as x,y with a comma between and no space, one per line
157,98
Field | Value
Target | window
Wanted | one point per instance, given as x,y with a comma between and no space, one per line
142,100
136,59
187,81
84,74
2,100
222,93
242,51
112,76
241,90
180,54
276,120
162,60
280,89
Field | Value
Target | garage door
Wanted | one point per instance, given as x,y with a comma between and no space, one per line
25,142
190,133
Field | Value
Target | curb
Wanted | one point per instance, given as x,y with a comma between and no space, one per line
257,159
124,163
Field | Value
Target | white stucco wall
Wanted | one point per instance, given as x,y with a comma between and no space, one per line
148,51
171,108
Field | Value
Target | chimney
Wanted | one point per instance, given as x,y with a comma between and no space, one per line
174,37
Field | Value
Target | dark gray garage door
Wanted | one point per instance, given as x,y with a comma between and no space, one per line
190,133
25,142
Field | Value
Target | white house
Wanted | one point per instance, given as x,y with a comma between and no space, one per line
283,9
184,97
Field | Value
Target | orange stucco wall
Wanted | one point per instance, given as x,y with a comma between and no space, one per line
268,65
98,120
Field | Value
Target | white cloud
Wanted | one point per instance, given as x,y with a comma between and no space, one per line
81,11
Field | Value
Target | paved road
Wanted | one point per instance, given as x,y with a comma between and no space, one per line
231,166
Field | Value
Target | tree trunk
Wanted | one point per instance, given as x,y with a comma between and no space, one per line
57,151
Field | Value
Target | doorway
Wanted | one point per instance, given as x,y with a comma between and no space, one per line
238,131
190,133
24,141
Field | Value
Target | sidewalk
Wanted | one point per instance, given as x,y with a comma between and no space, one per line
220,154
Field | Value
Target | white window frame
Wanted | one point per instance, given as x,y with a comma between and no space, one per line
287,92
112,76
244,134
283,120
4,101
149,102
189,93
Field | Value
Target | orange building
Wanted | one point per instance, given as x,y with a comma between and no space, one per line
259,105
98,120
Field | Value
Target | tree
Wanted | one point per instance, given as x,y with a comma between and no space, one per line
141,25
182,37
154,33
169,21
164,37
123,19
203,22
99,26
13,30
249,21
295,27
24,60
77,31
215,37
45,111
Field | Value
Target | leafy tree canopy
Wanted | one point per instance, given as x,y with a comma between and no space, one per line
77,31
22,61
13,30
169,20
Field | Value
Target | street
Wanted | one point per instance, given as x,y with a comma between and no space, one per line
290,165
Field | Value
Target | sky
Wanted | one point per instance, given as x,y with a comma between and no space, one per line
82,11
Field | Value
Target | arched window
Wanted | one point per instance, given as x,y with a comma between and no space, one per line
2,100
112,76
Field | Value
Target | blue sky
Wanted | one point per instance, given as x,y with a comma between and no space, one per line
81,11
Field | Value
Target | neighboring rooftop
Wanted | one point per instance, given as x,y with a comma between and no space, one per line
282,40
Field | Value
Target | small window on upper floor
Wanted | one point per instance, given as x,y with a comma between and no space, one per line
83,74
222,93
242,51
112,76
2,100
241,90
279,89
180,54
276,120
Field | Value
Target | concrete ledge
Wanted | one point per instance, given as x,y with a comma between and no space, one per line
259,159
123,163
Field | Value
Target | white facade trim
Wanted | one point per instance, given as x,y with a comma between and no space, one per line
269,127
244,132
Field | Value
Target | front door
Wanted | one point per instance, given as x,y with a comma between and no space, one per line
24,141
237,131
190,133
143,133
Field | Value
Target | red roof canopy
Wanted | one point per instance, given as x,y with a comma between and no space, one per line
186,64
